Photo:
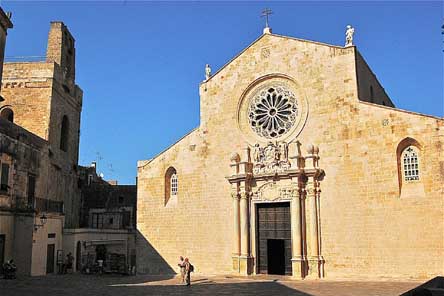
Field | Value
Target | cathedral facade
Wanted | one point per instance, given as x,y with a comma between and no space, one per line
301,166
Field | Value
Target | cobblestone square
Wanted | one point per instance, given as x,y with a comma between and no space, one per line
86,285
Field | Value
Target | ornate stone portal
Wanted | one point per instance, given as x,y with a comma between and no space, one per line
268,175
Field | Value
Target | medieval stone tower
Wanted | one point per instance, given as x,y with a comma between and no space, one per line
43,96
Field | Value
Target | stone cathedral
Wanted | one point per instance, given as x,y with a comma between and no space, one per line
301,166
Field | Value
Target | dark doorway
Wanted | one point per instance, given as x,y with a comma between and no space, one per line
50,259
78,256
2,252
101,252
273,226
276,256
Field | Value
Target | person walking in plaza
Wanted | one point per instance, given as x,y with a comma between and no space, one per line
181,265
188,269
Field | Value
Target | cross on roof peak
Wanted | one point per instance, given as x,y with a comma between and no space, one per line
265,13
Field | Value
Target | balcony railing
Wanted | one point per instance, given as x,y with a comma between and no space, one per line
40,205
48,206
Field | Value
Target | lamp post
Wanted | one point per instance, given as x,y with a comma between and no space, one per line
43,220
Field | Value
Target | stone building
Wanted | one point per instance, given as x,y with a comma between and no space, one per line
39,147
107,223
301,165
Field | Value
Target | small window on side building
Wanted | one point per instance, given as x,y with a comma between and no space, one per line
4,178
64,134
31,191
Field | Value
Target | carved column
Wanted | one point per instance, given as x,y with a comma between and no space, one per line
245,262
236,229
312,230
245,233
318,223
296,234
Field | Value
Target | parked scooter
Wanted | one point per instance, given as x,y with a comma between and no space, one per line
9,269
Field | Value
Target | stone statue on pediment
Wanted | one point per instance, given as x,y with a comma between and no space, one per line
207,71
349,35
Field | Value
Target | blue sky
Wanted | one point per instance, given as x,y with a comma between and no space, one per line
140,63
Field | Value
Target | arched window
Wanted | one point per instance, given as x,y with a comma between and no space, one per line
174,184
409,154
171,184
410,163
7,114
64,131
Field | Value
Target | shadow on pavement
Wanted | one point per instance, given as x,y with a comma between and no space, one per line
74,285
211,288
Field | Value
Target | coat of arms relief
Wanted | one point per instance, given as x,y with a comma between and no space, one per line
272,158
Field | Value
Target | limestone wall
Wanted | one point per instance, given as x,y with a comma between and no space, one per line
41,240
27,88
369,88
23,243
7,229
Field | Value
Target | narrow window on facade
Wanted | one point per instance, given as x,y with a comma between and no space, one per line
174,184
31,191
372,95
97,220
410,164
4,177
7,114
171,184
64,131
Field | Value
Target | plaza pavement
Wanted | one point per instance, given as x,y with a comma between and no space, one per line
96,285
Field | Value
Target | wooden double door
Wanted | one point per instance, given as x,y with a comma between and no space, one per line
274,238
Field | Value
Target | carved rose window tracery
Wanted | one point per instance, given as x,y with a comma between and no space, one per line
272,111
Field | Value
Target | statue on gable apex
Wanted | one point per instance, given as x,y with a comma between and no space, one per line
207,71
349,35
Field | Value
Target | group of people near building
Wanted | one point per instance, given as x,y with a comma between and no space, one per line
185,270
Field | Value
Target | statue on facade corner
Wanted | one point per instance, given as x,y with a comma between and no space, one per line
207,72
349,35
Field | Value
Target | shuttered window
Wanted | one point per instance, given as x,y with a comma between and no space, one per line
4,177
31,190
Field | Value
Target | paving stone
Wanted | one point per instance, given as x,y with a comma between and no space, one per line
96,285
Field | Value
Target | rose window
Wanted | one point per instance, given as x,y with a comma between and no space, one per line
272,112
